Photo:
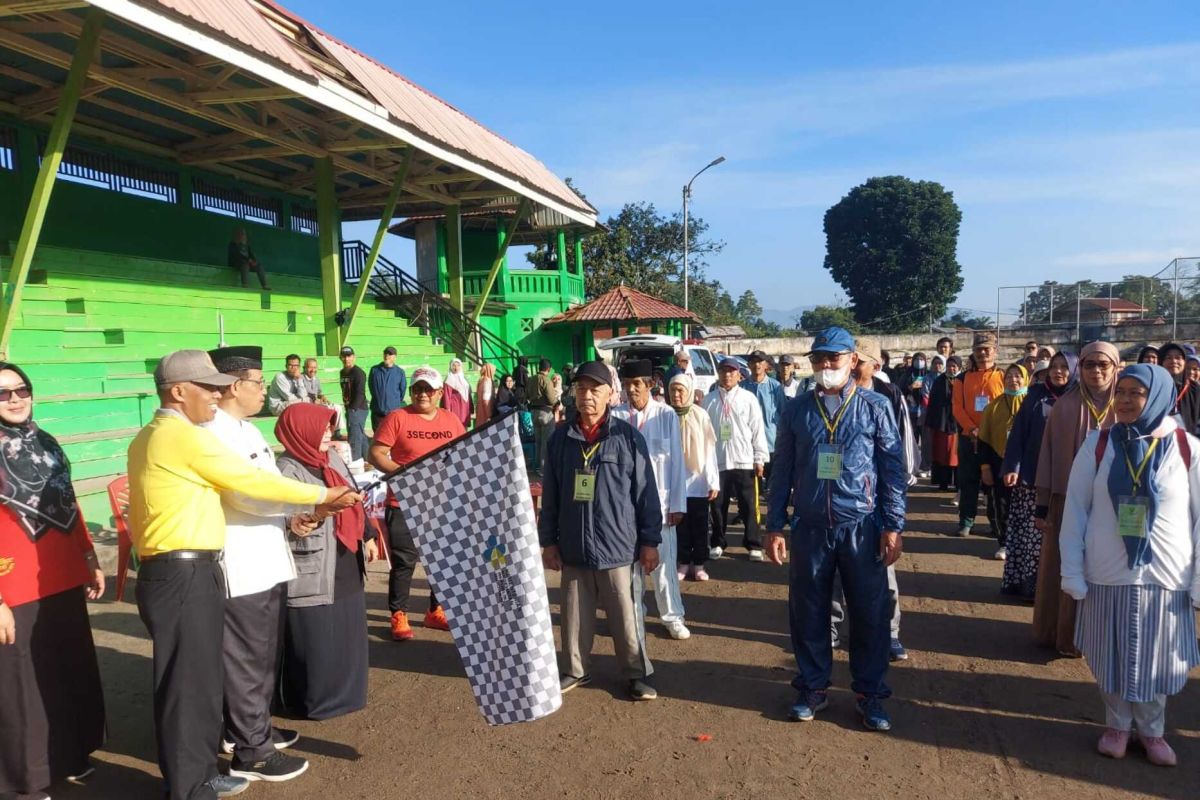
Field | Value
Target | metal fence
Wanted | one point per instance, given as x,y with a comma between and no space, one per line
1170,296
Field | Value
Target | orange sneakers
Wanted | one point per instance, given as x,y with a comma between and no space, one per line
436,619
401,631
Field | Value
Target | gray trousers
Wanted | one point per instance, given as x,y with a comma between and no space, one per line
250,651
1122,715
583,590
543,426
838,607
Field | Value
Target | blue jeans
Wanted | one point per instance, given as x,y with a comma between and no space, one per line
356,432
852,551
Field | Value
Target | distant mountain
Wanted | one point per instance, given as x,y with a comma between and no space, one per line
786,318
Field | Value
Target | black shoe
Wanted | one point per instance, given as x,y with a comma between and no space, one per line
283,738
274,768
640,690
568,682
227,785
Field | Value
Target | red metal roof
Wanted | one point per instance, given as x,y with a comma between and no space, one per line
623,304
1118,304
243,21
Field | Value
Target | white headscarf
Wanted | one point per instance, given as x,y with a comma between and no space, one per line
456,380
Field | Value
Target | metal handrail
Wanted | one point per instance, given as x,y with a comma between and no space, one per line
427,309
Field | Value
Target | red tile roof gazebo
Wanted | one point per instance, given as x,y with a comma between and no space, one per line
624,310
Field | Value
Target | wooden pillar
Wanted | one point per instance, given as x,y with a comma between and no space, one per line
329,246
454,265
385,219
43,185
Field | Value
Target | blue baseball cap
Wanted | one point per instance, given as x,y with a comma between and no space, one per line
833,340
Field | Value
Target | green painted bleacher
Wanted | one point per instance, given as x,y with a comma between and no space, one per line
93,326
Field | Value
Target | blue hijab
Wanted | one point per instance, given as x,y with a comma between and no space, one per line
1132,441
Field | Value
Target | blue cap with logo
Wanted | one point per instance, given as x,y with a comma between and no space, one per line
833,340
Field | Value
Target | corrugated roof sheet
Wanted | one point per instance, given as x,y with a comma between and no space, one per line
410,105
416,108
623,304
241,21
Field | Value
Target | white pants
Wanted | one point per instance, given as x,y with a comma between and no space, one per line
1150,718
667,597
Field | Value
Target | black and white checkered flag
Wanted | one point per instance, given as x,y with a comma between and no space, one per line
471,516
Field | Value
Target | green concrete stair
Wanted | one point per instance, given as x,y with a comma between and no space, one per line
93,326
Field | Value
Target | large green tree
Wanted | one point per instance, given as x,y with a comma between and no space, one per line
891,243
1060,298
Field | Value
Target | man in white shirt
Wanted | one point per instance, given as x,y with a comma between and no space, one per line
258,564
659,426
741,453
287,388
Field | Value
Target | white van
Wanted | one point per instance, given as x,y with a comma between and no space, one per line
660,349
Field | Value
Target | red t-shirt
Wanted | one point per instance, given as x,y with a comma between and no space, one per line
30,571
410,436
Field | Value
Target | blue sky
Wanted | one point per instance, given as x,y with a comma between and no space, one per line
1068,132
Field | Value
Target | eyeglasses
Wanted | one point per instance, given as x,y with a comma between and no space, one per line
422,388
826,358
1131,394
1101,366
23,392
259,384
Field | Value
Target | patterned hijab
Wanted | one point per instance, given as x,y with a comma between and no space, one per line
35,475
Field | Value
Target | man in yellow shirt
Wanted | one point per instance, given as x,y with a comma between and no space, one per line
177,471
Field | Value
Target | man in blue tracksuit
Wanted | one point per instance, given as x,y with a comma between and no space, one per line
839,463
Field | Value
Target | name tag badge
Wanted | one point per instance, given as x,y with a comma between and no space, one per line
829,462
981,402
726,432
1131,517
585,486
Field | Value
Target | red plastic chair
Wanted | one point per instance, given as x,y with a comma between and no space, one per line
118,498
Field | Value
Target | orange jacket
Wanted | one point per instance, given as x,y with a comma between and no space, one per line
974,384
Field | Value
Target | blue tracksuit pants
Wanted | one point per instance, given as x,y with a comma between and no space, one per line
852,551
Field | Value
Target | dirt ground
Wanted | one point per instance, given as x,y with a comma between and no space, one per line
978,711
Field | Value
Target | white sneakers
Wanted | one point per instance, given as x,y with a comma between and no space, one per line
678,630
715,552
756,555
1002,554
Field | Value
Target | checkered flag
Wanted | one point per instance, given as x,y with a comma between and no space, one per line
471,516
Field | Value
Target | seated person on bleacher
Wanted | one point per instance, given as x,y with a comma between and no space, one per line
287,388
242,258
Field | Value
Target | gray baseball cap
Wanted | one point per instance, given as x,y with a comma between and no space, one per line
189,366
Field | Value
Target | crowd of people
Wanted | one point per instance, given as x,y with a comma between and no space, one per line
252,564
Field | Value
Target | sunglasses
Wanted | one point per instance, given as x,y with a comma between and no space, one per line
23,392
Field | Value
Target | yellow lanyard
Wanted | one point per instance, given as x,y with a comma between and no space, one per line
588,453
832,426
1137,475
1098,416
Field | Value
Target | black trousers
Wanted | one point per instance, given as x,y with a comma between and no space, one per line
693,533
244,267
250,651
739,483
182,604
404,561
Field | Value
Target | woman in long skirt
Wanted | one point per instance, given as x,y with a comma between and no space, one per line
943,430
1087,407
1024,540
51,703
324,670
1129,558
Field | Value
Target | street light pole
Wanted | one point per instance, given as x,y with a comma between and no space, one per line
687,194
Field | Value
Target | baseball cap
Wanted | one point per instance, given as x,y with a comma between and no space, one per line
983,339
833,340
347,351
758,355
189,366
387,351
594,370
788,359
427,375
868,347
728,362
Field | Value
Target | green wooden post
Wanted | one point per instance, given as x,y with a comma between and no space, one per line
654,327
579,254
385,219
454,265
498,261
589,341
328,244
43,185
443,278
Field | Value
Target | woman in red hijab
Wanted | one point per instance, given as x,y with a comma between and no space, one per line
324,671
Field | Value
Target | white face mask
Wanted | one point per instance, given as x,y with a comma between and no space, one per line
833,378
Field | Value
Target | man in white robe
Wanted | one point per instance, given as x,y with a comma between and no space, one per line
659,426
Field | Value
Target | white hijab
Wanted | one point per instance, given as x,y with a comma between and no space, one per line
456,380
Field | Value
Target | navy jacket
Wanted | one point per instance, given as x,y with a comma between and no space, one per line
1025,439
387,388
873,480
625,513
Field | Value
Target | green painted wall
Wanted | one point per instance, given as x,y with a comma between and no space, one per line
91,218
